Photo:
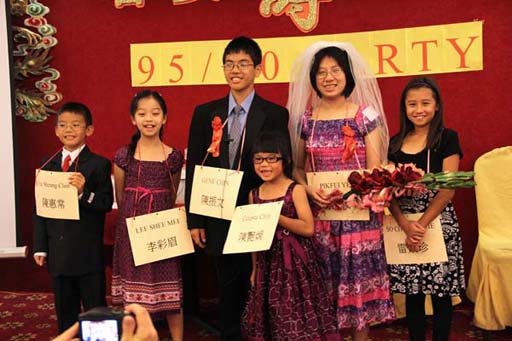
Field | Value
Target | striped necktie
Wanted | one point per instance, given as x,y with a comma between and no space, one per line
235,131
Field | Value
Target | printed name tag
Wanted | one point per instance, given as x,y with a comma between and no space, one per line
159,235
330,181
432,249
214,191
55,197
253,227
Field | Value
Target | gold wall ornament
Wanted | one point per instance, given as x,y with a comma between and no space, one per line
31,55
124,3
141,3
305,14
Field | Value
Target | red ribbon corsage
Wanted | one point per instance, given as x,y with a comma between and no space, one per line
349,142
217,126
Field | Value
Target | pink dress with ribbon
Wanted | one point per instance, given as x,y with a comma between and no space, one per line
157,286
353,251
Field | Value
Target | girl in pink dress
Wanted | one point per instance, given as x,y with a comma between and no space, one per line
337,124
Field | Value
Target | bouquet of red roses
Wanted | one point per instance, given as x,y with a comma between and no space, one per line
377,188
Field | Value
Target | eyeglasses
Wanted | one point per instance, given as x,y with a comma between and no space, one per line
242,66
74,125
270,159
335,72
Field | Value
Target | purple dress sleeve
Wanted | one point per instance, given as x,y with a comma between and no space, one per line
121,158
175,160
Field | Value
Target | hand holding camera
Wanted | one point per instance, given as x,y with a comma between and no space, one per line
139,329
133,324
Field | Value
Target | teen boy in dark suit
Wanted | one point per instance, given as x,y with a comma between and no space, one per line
242,107
74,248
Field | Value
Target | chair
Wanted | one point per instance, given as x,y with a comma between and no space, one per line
490,281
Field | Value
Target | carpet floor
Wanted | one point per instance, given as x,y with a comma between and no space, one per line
31,316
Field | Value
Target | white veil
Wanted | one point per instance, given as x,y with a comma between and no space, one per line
301,95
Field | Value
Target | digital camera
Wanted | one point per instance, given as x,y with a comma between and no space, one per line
101,323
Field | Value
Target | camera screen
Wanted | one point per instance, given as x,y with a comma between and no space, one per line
104,330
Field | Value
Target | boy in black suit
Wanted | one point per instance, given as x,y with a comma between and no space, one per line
242,107
74,248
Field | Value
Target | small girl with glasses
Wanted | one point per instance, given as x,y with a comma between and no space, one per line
288,299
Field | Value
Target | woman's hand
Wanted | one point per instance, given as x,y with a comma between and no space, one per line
318,196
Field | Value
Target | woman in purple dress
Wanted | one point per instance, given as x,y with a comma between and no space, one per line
147,173
288,298
337,124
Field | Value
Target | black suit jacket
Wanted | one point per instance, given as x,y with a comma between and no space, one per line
263,115
75,247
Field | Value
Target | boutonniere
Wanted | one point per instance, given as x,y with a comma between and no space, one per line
217,128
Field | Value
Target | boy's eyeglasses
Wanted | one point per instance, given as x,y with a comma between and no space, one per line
269,159
74,126
242,66
335,72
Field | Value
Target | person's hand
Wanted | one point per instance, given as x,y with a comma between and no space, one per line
139,329
69,334
318,196
40,260
78,180
412,245
199,237
414,230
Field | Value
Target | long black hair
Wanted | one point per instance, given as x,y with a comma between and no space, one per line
275,142
436,127
133,109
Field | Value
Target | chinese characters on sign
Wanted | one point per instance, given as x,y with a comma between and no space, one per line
222,186
304,14
162,244
432,248
211,200
250,236
253,227
53,203
54,197
159,235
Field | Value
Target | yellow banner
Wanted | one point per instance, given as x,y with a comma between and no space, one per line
390,53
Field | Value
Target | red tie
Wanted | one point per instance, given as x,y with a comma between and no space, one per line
65,165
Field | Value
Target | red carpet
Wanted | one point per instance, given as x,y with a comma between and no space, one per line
30,316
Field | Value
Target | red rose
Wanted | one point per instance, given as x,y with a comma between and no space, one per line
379,178
359,182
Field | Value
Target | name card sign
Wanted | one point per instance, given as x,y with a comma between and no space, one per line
432,248
330,181
55,197
214,191
159,235
253,227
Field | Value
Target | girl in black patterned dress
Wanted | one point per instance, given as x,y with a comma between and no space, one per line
424,141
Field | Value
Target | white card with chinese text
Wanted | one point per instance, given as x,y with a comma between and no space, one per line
337,180
55,197
432,248
159,235
214,191
253,227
